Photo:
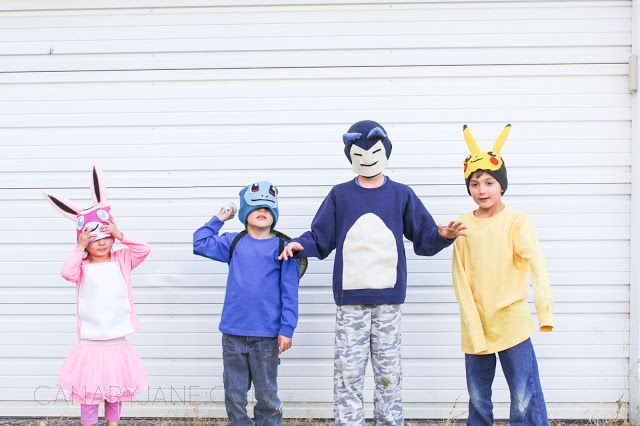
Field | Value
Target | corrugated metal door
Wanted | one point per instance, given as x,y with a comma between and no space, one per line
182,103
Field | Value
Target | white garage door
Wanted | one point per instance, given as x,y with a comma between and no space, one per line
184,102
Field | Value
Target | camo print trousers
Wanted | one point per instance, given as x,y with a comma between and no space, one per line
362,330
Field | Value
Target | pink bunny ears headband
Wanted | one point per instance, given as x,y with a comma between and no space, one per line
90,218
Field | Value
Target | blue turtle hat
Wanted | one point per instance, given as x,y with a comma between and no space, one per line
258,195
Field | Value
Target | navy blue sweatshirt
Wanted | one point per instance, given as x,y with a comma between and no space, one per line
365,226
261,299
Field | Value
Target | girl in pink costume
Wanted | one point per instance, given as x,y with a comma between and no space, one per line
103,366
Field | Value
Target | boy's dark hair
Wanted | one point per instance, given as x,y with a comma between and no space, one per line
500,175
283,239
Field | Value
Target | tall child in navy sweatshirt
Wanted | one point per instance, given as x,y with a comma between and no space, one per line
364,220
260,309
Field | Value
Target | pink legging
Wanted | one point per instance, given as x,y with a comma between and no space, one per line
89,413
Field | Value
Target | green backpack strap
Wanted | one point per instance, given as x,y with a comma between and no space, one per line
284,238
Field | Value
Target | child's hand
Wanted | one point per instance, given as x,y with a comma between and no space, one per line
284,343
85,238
452,230
227,212
289,250
111,228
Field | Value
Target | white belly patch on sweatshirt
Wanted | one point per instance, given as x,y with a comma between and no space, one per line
369,255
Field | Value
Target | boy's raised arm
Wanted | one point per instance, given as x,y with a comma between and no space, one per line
207,242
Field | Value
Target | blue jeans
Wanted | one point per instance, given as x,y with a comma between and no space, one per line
251,359
521,371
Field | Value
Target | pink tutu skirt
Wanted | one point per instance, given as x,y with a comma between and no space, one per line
99,370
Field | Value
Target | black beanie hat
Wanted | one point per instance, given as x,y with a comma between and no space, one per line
500,175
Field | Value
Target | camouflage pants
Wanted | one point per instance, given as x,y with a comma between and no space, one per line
362,330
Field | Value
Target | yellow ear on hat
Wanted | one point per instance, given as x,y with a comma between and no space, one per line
478,160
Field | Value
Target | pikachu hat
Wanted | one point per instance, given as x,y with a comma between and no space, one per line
489,161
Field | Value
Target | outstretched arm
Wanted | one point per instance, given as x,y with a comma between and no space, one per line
320,241
420,228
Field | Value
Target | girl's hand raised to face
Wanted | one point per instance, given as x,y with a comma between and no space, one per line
85,238
111,228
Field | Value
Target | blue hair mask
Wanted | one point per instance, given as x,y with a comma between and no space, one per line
367,147
261,194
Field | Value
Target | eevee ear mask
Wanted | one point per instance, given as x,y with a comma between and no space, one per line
92,217
489,161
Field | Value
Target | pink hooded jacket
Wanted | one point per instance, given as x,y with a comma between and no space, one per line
127,259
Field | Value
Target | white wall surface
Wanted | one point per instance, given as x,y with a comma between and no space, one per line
183,103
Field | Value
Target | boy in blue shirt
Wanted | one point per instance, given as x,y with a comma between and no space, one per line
365,220
260,309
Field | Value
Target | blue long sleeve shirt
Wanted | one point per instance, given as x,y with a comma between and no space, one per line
261,298
365,226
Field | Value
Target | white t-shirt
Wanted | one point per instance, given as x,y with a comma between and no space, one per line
103,302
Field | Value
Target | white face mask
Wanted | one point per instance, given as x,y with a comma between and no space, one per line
370,162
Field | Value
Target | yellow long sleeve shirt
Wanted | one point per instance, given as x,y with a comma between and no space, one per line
491,280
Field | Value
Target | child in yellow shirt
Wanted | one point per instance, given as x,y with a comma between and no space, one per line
491,280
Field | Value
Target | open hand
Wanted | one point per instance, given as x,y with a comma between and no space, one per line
290,250
110,228
85,238
452,230
284,343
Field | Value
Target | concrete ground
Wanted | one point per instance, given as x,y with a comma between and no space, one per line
191,422
39,421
